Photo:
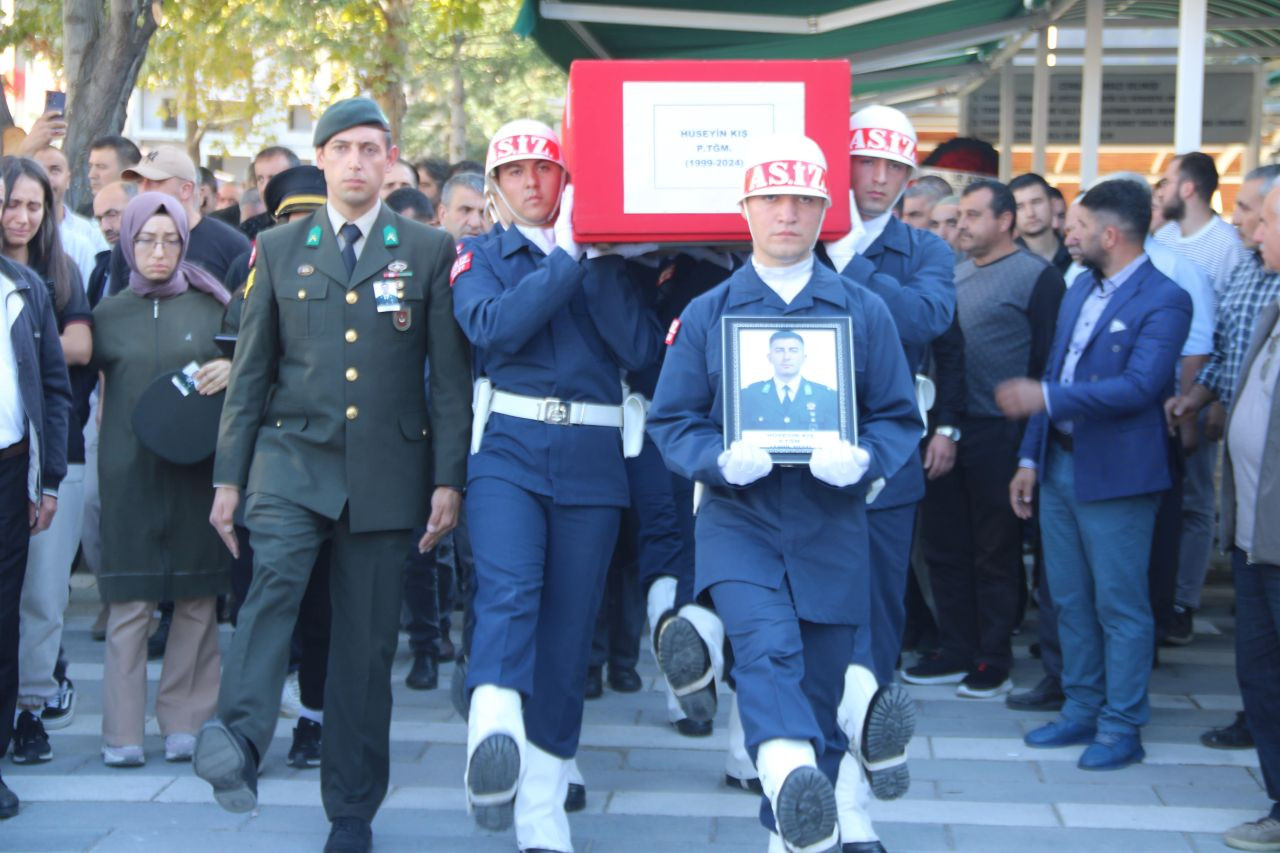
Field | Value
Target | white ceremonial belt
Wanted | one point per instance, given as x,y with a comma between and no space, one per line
551,410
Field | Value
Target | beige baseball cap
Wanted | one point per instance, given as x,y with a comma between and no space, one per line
163,163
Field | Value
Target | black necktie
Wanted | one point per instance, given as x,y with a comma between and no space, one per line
350,233
786,395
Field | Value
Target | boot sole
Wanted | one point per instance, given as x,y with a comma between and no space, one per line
890,723
220,761
685,662
493,771
805,811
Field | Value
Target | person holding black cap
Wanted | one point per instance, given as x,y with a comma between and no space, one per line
326,434
154,547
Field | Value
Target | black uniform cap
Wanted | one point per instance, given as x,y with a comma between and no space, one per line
299,188
353,112
180,429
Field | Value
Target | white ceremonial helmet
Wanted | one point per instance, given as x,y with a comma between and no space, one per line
522,139
784,164
880,131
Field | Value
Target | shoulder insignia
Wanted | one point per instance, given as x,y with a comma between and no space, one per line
672,331
248,284
766,388
458,247
390,237
313,237
461,265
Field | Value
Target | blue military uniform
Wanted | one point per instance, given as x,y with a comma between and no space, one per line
785,559
915,280
544,499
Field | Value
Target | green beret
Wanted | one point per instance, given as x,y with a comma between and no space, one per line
353,112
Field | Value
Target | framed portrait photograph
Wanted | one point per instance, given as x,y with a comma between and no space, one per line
788,384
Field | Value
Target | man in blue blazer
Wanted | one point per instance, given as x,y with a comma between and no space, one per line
1097,442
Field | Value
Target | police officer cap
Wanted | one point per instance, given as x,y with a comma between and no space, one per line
353,112
180,429
301,188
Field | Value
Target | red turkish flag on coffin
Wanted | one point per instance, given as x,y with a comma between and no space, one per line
655,148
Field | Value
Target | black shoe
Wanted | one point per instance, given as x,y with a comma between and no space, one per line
305,751
30,743
985,681
1045,696
686,664
459,697
862,847
225,760
624,679
805,808
61,709
424,674
1181,626
575,799
595,684
1034,650
445,650
158,640
937,668
694,728
8,802
751,786
1234,736
493,771
349,835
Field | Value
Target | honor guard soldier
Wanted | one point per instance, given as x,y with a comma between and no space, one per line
914,277
546,479
326,432
783,550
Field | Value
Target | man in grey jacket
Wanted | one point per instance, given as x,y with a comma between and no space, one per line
35,409
1250,497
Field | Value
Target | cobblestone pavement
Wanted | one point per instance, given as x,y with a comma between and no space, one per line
975,787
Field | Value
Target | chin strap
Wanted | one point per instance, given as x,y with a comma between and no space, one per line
505,212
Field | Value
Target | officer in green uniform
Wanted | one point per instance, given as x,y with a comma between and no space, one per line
327,433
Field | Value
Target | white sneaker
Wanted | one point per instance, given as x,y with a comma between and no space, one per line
123,756
179,747
291,697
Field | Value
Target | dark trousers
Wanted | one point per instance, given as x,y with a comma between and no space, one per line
15,536
622,609
662,506
422,598
1258,661
973,545
889,535
309,646
540,572
790,673
365,583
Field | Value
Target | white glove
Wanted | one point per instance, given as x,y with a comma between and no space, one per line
839,463
622,250
743,464
563,228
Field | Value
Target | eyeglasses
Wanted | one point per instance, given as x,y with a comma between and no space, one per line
149,244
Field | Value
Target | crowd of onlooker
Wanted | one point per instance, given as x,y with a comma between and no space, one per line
74,445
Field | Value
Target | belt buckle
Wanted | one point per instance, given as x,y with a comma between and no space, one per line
555,411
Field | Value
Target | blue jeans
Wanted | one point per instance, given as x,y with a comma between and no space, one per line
1258,661
1096,555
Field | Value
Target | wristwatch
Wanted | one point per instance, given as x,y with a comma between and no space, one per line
950,432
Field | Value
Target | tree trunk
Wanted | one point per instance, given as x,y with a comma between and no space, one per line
6,117
195,128
457,103
104,44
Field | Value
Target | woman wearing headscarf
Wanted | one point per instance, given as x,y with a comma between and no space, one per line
29,235
156,542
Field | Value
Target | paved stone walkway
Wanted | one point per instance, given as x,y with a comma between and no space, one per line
975,786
